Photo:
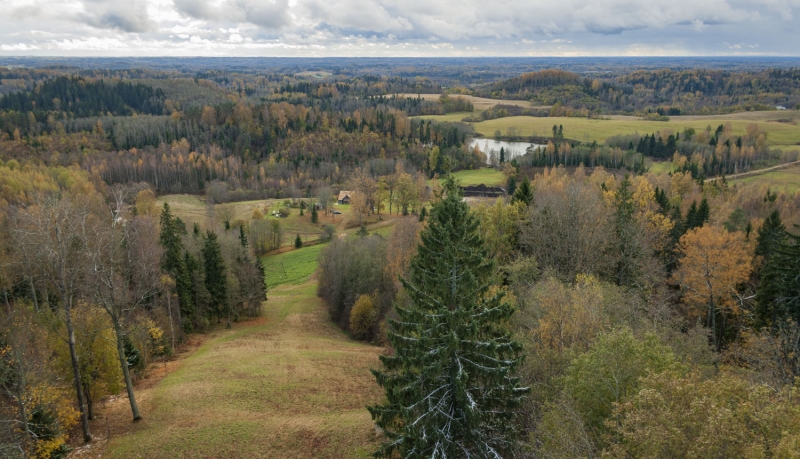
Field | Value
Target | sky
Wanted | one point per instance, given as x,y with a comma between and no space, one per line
399,28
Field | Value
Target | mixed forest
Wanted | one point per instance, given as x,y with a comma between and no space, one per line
626,298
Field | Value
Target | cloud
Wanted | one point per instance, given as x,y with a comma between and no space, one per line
269,14
126,16
396,27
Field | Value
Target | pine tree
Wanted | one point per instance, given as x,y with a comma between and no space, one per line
703,212
502,155
450,385
298,242
215,280
524,192
314,215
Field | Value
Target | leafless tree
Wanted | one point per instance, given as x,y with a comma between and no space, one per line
124,258
55,231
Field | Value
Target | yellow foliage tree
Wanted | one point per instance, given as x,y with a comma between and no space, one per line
714,262
363,316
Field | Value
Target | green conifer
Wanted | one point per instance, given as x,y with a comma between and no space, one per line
450,384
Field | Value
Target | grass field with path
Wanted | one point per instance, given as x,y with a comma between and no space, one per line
486,176
786,180
290,385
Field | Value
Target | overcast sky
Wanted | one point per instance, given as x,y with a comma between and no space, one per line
399,27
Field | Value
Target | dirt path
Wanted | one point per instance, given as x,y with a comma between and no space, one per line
291,386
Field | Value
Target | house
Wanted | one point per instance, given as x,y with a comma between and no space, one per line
344,197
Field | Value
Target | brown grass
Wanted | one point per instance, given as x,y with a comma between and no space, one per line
293,386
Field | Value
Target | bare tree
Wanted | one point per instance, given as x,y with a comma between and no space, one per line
55,230
124,261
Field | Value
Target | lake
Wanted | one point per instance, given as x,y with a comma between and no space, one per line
511,149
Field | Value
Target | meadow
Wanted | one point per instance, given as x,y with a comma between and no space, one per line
786,180
782,127
288,385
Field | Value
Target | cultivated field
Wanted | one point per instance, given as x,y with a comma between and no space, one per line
290,385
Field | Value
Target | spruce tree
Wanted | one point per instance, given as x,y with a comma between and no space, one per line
502,155
631,253
173,263
524,192
314,216
771,246
215,280
450,385
242,236
298,242
692,217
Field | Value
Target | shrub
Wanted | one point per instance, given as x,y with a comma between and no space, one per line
362,317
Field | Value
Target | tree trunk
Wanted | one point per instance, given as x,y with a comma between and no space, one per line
89,406
76,372
125,371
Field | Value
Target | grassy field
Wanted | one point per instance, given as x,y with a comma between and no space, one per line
290,385
786,180
293,267
486,176
783,127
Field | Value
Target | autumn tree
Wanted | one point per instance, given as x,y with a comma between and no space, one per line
714,262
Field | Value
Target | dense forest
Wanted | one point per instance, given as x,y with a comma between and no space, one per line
595,309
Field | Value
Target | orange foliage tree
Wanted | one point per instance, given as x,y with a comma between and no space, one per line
713,263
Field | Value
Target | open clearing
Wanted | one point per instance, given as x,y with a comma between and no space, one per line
290,385
486,176
193,209
480,103
786,180
782,127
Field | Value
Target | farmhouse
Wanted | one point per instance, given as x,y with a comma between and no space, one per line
344,197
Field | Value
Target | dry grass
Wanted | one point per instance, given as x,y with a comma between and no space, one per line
293,387
786,180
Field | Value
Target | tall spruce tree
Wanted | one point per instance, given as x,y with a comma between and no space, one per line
630,259
450,385
314,215
173,263
215,281
770,245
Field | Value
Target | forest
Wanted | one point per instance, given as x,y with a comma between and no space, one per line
627,298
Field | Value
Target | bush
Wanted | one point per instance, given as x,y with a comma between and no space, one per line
363,317
284,212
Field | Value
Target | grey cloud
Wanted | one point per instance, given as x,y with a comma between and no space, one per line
269,14
127,16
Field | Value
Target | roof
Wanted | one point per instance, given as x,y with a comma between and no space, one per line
344,194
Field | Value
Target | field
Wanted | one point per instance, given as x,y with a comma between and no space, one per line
290,385
480,103
192,209
293,267
787,180
783,127
486,176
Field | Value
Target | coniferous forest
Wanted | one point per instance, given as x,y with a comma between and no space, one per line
625,286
